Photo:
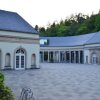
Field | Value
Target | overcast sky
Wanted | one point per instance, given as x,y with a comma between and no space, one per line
41,12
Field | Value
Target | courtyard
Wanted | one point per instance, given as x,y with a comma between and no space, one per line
57,81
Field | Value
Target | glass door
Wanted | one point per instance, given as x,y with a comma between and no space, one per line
20,59
17,61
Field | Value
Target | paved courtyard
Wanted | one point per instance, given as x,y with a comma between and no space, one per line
58,82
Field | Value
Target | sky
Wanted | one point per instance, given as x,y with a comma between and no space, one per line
43,12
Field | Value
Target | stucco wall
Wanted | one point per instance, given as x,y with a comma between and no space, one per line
97,52
86,53
10,47
18,34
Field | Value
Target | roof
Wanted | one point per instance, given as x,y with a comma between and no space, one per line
11,21
73,40
95,39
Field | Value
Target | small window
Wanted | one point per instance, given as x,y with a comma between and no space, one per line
44,42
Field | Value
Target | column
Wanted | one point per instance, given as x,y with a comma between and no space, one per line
65,56
69,56
43,57
48,56
79,57
3,60
12,60
59,55
56,56
74,56
53,56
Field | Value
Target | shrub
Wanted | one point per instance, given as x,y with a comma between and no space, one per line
5,92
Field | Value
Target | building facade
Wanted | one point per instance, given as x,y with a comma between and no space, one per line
83,49
20,47
19,43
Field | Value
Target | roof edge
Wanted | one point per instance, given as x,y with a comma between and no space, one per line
18,31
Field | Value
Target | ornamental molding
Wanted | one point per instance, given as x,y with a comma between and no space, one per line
14,39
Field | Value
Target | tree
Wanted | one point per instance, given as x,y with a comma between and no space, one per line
36,28
5,92
97,23
73,25
83,29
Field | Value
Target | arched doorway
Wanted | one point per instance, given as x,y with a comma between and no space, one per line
20,59
8,60
33,60
94,58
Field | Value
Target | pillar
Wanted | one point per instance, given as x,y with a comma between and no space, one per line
69,56
53,56
79,57
59,55
64,56
12,60
74,56
48,56
3,60
43,57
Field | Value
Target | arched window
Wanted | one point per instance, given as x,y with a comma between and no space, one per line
8,60
33,60
20,51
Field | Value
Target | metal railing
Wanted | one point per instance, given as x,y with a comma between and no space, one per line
26,94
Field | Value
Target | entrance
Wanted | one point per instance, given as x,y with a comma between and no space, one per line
94,59
20,59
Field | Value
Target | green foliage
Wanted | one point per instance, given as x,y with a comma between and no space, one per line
83,29
1,78
97,22
74,25
5,92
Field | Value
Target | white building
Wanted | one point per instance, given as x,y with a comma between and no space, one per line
19,45
72,49
19,42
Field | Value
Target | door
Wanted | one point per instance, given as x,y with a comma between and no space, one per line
94,59
19,60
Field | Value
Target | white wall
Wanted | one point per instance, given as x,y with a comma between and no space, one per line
18,34
11,47
86,53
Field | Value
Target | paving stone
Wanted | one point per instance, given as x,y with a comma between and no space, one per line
57,81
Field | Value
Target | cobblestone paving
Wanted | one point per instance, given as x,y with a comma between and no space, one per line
57,82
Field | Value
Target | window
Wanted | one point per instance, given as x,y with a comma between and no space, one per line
20,51
44,42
